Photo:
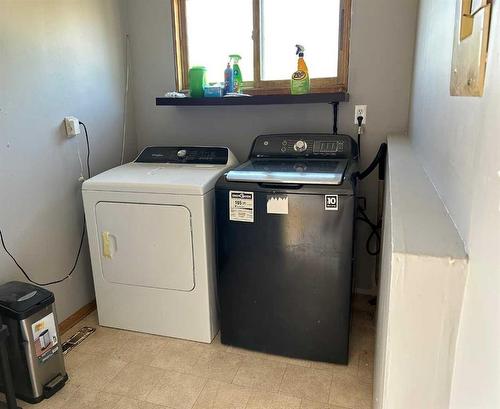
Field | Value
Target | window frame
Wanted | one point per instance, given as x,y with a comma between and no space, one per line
259,86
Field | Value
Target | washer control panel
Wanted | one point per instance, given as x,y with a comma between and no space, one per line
304,145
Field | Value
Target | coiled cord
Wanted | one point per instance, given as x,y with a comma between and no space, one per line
75,263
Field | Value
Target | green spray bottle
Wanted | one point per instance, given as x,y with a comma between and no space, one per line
238,79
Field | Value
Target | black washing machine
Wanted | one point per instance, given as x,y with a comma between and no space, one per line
285,223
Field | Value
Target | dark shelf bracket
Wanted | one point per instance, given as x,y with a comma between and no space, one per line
335,107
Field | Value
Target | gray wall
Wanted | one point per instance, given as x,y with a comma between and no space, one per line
459,144
382,42
57,58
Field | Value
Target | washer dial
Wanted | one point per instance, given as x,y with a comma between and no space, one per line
300,146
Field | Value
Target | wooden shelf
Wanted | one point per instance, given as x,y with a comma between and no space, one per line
313,98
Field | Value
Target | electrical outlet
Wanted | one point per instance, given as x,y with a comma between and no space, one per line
72,125
360,110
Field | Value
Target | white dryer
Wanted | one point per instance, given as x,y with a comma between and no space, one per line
150,226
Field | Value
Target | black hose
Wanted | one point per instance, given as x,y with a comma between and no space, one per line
378,160
374,233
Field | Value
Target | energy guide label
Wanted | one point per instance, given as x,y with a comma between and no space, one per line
241,206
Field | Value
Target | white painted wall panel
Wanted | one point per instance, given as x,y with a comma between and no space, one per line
458,141
424,268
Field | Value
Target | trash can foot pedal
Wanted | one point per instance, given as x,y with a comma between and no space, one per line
54,385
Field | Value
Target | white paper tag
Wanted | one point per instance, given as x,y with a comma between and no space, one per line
241,206
277,204
331,202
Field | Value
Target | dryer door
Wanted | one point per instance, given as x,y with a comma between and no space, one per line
146,245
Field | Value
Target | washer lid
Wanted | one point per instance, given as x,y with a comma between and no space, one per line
290,171
187,179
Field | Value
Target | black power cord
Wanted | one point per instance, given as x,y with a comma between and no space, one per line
88,149
360,123
73,268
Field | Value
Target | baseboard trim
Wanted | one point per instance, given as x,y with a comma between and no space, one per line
74,318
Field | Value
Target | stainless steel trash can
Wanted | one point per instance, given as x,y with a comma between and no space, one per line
34,345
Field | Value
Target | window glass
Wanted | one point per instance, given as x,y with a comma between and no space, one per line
216,29
312,23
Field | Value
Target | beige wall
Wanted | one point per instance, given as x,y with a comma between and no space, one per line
382,42
57,58
458,141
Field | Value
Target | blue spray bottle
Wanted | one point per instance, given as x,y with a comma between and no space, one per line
228,79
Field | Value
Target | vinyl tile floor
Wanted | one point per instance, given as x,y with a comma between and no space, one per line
115,369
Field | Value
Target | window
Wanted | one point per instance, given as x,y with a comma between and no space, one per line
264,33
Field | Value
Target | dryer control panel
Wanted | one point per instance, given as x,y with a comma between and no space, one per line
320,146
184,154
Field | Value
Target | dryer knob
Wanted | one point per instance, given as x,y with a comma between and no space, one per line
181,154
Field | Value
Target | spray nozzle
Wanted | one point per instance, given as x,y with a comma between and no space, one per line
300,50
235,58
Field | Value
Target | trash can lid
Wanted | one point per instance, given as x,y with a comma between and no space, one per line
20,300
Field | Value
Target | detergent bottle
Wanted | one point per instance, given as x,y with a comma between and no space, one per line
238,79
300,83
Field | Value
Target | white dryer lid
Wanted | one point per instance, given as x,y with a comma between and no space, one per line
174,178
